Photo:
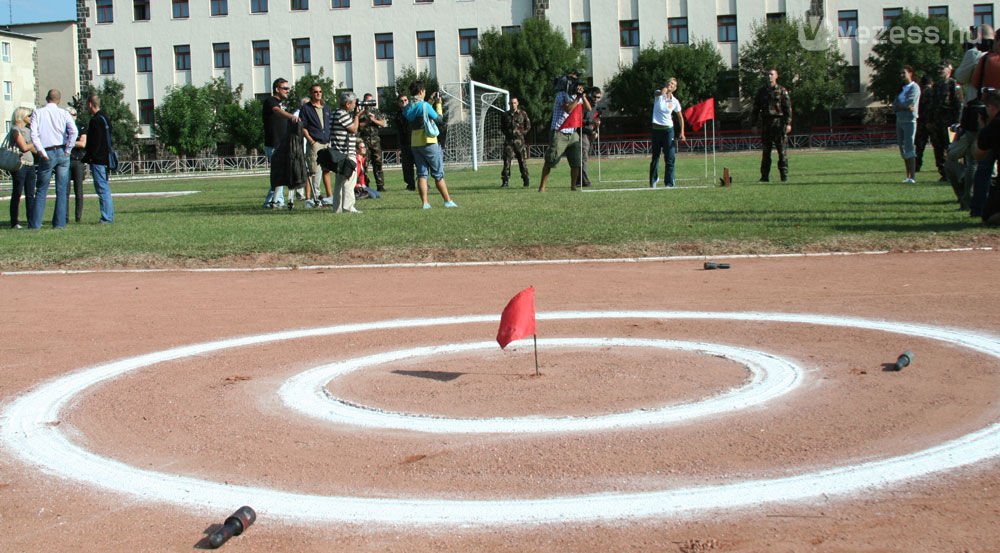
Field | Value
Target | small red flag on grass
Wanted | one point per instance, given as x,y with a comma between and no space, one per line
518,318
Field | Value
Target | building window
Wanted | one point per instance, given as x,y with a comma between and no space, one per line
727,28
852,80
889,16
182,57
776,17
628,33
677,30
8,90
425,44
300,50
146,112
140,10
938,11
106,60
220,52
342,48
261,53
468,41
5,51
382,3
423,1
581,34
847,23
258,6
510,29
300,5
105,11
144,60
340,4
982,14
383,46
181,9
220,7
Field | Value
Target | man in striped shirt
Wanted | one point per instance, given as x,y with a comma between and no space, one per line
344,139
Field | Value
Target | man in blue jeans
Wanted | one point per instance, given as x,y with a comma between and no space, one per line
54,133
98,152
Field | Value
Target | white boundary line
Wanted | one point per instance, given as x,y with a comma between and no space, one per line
132,194
517,262
27,433
648,188
772,377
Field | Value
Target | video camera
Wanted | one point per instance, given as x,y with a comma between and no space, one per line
367,103
983,44
566,83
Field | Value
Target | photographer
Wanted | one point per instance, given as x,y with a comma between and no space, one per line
344,139
982,42
567,116
370,122
987,151
424,118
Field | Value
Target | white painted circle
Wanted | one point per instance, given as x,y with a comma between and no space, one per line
25,433
771,377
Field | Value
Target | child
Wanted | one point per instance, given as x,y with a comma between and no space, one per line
361,189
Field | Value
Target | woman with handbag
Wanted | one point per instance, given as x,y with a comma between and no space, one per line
24,176
424,143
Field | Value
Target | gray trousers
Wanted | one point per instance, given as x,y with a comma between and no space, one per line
960,167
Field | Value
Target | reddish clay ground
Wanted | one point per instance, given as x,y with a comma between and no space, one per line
177,417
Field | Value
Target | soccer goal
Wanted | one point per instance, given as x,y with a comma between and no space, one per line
472,112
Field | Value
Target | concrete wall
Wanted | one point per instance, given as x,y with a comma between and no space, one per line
57,57
19,71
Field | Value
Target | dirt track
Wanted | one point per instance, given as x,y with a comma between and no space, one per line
217,416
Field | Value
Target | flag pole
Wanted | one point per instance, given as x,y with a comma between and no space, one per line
535,336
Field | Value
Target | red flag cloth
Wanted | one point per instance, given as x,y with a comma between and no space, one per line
575,118
697,114
518,318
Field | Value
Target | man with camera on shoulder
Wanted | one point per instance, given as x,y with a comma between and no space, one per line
567,116
370,122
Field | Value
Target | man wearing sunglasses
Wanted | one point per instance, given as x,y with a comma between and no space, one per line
275,126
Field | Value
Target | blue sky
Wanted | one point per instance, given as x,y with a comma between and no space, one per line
35,11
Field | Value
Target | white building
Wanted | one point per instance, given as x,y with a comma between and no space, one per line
151,45
17,74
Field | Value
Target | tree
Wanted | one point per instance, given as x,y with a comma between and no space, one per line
697,68
302,86
220,95
814,77
242,125
526,63
124,126
185,120
913,40
404,79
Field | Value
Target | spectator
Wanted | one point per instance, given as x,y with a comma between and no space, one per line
426,151
567,116
405,154
98,152
982,43
23,178
906,105
275,126
987,72
316,119
53,133
665,105
370,122
344,138
77,169
987,152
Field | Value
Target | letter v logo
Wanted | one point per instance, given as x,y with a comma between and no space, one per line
814,34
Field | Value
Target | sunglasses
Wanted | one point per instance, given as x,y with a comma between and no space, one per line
286,88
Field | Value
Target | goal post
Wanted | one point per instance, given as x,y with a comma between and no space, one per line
473,111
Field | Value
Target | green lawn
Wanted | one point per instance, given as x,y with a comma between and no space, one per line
843,201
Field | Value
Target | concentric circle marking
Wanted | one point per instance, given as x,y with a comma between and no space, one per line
24,432
772,377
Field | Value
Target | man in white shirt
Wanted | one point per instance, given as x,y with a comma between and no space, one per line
664,107
54,133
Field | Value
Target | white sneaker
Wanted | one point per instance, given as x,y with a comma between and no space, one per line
310,204
909,181
352,209
327,201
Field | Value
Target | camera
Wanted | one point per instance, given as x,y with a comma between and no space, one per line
367,103
566,83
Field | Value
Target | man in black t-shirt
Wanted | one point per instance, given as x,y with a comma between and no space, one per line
275,126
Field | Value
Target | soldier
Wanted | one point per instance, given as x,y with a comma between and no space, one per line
369,124
772,110
515,124
945,111
926,95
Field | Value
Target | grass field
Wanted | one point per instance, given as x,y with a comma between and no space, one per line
842,201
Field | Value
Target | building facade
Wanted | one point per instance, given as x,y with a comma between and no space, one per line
362,44
58,57
18,82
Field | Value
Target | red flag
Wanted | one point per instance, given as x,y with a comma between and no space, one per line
518,319
696,115
575,118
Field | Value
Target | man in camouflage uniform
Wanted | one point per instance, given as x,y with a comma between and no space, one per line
923,108
590,130
369,123
772,111
945,111
515,125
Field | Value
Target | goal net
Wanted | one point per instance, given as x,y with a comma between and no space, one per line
472,112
